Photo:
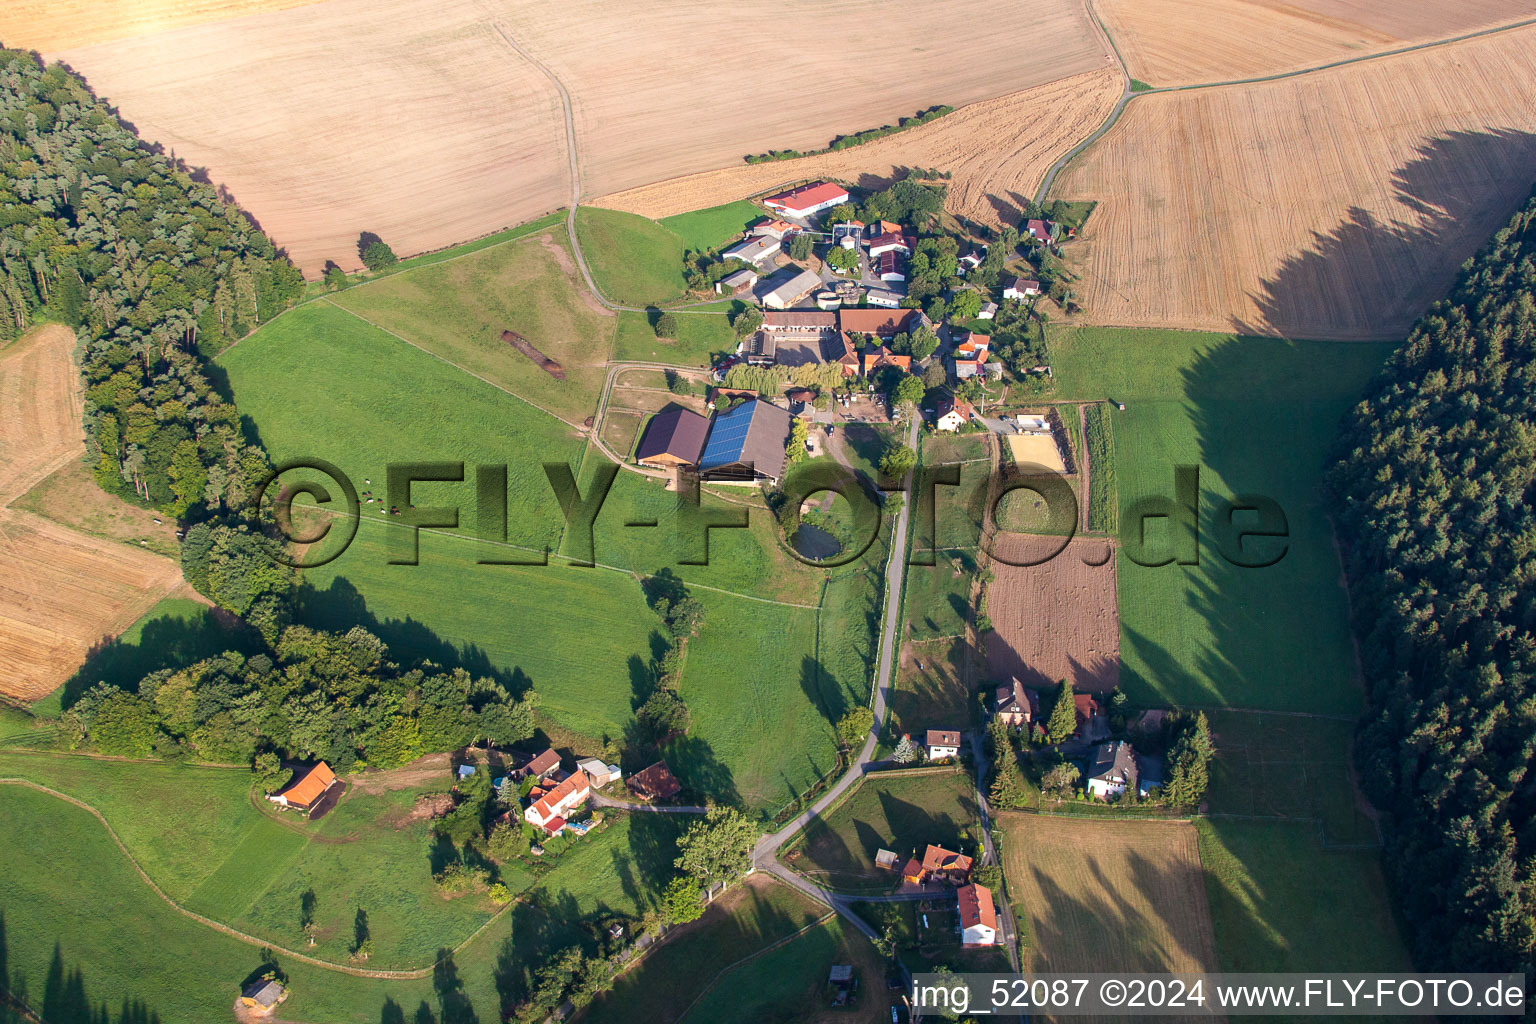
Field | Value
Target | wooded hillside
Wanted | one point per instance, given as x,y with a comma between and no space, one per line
1435,499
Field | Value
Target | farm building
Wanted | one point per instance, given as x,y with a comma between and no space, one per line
978,916
886,859
1015,705
598,773
263,995
941,865
772,228
881,323
673,438
753,250
892,242
1021,288
890,266
942,743
540,767
881,297
791,290
746,444
840,979
807,199
800,324
304,794
548,809
654,783
987,312
740,281
1112,769
953,413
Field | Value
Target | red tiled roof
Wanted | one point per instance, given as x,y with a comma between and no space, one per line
1085,706
885,322
943,738
936,858
544,762
654,783
976,906
548,805
308,789
807,196
913,869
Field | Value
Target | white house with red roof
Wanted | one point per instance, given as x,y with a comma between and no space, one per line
807,199
953,413
978,916
549,808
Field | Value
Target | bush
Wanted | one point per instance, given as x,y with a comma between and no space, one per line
507,841
458,878
683,901
500,894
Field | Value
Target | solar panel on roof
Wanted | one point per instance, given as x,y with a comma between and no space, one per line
728,437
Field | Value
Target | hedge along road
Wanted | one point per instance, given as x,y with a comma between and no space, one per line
1127,94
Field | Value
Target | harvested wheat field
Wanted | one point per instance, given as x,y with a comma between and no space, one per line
57,24
40,408
1108,895
1335,205
412,119
998,151
1057,620
1178,42
61,593
418,120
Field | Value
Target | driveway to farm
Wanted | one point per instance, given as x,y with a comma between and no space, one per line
765,856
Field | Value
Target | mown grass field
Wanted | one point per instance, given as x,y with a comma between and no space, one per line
1103,491
930,691
789,983
701,337
958,510
714,226
636,262
745,919
1283,766
459,308
320,383
1280,902
899,812
939,595
1258,416
65,870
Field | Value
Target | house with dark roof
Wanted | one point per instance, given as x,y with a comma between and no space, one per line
1111,769
746,444
1042,230
263,995
654,783
890,266
673,438
942,743
1015,705
542,766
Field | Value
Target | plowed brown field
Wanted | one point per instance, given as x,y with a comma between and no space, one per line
417,120
1177,42
1334,205
1054,621
60,591
998,150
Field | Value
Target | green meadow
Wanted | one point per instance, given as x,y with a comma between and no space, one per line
701,337
1257,416
637,262
714,226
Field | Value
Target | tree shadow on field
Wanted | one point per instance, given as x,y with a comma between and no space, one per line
169,642
342,606
1343,268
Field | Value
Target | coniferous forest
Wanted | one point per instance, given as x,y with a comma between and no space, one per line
1434,492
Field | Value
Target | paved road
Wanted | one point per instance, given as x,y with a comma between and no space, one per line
765,857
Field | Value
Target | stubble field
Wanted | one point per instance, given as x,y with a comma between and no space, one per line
1108,895
61,592
55,24
1177,42
1057,620
998,150
420,121
1248,208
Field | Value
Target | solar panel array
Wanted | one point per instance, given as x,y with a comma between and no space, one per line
727,437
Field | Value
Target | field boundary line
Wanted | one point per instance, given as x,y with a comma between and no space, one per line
251,940
753,956
443,359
